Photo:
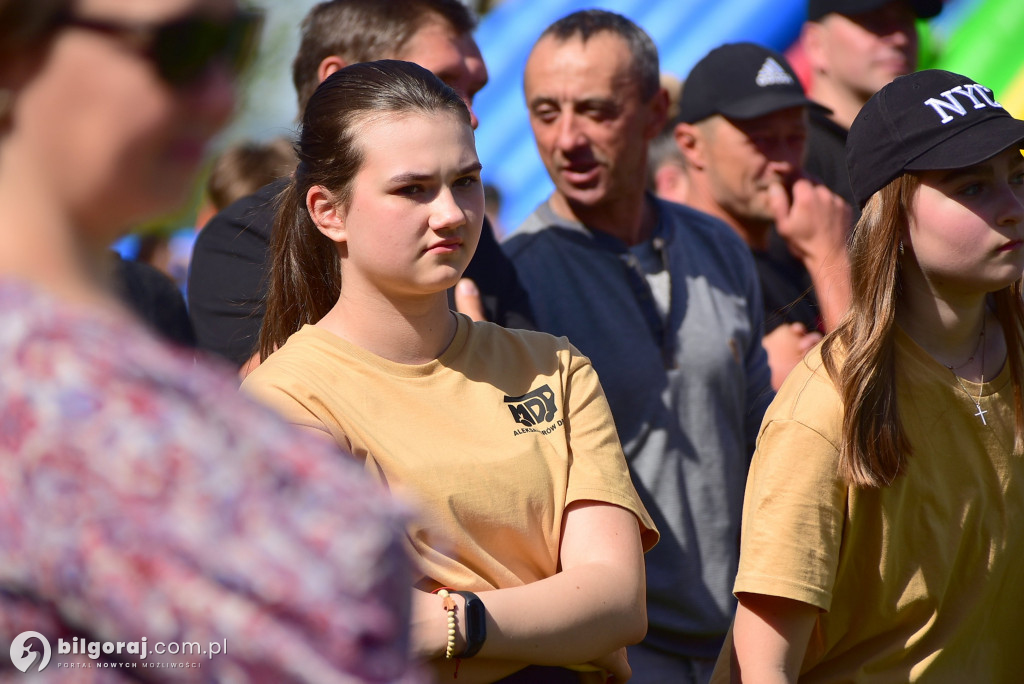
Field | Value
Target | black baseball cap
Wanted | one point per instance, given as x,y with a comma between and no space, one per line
928,120
816,9
740,81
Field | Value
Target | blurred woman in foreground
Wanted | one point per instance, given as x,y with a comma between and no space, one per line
141,497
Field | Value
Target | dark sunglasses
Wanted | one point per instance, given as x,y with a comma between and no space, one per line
183,50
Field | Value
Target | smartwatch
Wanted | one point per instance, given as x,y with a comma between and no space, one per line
476,623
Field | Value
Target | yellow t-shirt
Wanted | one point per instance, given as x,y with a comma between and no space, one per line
490,442
923,579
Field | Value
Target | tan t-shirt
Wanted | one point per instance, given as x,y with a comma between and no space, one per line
920,579
490,442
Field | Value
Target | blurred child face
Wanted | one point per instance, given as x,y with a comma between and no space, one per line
415,208
967,226
116,142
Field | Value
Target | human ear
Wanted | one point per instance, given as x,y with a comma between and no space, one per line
658,108
812,40
690,141
327,213
328,66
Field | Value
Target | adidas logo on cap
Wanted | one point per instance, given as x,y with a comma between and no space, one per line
772,73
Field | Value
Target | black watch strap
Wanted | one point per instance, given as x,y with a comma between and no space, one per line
476,623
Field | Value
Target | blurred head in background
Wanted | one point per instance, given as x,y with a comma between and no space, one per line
436,34
854,47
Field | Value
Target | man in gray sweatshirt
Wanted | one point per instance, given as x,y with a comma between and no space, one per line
666,303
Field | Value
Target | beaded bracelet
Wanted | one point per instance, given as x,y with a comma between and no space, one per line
449,606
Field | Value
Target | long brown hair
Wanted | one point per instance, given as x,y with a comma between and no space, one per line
305,274
859,354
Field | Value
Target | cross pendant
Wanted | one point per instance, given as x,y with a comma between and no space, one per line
981,414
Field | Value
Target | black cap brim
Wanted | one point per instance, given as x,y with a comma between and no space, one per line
926,9
816,9
761,104
972,145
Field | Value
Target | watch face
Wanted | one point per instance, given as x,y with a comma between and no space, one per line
476,624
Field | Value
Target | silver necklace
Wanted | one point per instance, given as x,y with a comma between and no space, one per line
952,369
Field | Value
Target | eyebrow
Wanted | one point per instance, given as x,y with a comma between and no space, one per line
975,170
416,177
542,100
985,167
449,76
578,104
598,103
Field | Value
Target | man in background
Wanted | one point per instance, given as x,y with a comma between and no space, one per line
665,302
742,128
853,47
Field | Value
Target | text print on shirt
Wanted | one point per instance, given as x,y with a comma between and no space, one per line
533,409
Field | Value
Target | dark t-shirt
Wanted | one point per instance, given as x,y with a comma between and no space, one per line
826,156
786,286
230,263
154,298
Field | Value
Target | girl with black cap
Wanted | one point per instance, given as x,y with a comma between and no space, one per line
880,540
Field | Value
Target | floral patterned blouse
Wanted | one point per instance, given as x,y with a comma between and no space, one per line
141,497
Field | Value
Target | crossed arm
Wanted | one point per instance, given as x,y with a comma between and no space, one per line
586,613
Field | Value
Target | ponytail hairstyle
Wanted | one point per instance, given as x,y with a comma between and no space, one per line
305,274
859,354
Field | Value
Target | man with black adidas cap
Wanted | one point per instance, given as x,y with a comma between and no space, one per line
742,127
853,47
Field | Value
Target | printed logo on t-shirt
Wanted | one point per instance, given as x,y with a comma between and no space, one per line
533,410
